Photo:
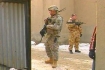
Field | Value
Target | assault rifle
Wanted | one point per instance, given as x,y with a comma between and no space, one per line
76,23
44,29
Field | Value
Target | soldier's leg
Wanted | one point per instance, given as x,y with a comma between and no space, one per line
71,43
54,49
77,40
48,50
49,54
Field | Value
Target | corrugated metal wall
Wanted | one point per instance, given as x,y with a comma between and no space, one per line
12,36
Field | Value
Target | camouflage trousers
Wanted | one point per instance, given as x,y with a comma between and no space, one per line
74,40
52,47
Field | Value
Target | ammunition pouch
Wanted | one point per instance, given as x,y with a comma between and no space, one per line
51,31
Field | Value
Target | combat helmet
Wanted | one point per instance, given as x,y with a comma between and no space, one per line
53,7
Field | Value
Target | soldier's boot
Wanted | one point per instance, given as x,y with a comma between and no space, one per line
77,51
71,51
54,65
50,61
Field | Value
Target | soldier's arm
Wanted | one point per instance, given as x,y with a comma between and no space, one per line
71,25
80,29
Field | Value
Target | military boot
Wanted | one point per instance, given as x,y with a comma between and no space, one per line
54,65
77,51
71,51
50,61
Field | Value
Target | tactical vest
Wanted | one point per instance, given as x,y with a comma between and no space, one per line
53,20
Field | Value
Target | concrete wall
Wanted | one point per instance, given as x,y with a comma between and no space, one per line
100,58
85,10
36,18
69,5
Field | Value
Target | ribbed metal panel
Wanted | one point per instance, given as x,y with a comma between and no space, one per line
16,1
12,35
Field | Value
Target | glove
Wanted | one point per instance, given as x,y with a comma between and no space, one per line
92,54
80,35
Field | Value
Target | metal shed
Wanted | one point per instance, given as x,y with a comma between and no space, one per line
15,34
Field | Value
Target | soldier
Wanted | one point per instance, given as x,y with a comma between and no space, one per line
75,34
53,30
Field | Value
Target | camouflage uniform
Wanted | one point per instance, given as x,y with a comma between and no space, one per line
53,30
75,32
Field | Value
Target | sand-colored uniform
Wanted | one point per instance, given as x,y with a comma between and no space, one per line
75,32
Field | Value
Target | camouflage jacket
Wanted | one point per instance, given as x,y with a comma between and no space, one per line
73,27
55,25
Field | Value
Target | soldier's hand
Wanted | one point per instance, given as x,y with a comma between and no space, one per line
46,21
80,35
50,26
92,54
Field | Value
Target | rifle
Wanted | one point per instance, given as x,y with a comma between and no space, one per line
79,23
76,23
44,29
62,10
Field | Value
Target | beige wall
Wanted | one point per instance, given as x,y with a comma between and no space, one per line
36,18
69,5
100,57
85,10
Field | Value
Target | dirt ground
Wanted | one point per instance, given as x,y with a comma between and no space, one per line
67,61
